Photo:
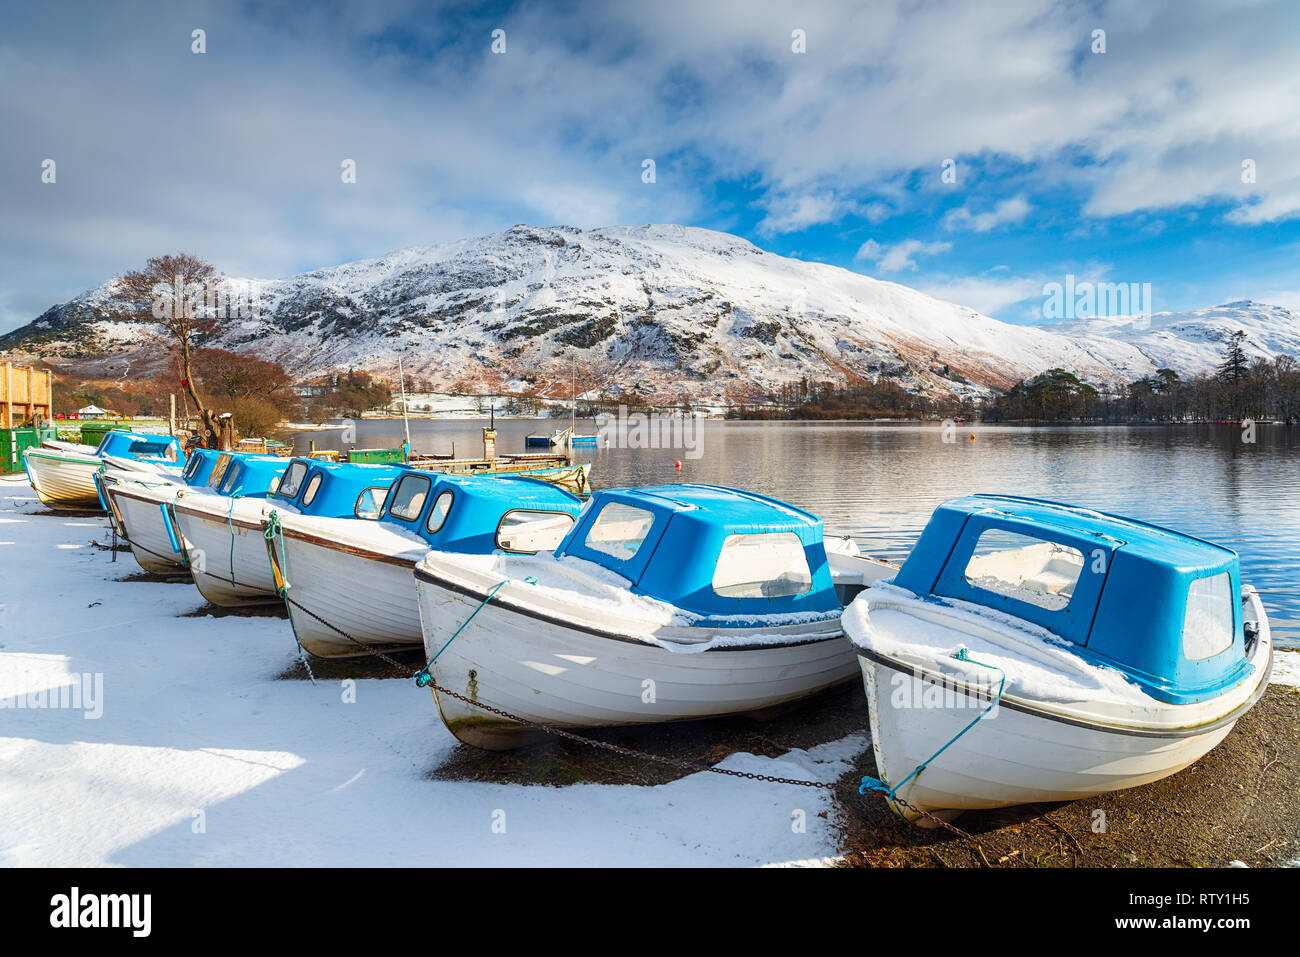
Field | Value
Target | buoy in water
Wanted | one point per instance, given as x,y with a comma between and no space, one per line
972,436
679,465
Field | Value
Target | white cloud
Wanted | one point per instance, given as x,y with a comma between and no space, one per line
1011,210
901,255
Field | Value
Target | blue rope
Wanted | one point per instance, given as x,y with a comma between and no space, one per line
875,784
422,677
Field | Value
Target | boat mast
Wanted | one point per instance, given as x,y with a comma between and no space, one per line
406,419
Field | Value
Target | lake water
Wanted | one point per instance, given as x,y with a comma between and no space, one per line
879,482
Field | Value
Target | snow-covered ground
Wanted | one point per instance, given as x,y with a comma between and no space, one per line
199,755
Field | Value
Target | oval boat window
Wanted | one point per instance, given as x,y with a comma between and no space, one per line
407,500
438,514
532,530
1028,569
313,486
762,565
370,503
1208,627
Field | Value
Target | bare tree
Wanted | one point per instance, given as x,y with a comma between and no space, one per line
176,292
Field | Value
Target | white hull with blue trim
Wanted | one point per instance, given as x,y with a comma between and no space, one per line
136,506
662,604
1028,750
225,548
548,659
1031,652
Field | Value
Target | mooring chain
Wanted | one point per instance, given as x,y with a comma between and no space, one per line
691,767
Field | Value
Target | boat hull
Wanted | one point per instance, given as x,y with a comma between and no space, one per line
1026,751
227,556
141,522
533,665
371,596
63,479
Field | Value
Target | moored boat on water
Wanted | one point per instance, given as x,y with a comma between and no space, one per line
357,576
66,479
1030,651
662,604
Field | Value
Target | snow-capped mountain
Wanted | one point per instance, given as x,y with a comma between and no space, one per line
662,311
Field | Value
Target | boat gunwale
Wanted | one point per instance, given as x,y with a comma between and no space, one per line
422,574
1021,705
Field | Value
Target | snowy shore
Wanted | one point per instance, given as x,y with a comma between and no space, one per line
202,756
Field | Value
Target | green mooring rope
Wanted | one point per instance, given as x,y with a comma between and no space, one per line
422,677
875,784
274,534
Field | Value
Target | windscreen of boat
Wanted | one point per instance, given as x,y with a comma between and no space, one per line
406,501
1208,626
1028,569
292,481
219,470
762,565
532,530
370,503
192,467
232,479
619,530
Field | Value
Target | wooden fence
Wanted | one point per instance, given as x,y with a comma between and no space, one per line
26,396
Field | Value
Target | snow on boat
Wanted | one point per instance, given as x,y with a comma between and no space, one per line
66,479
139,506
662,604
357,575
220,530
1101,652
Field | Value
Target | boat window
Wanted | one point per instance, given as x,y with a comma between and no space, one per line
232,477
438,514
531,530
292,480
619,530
407,500
1207,624
370,502
192,467
219,470
1025,568
762,565
313,486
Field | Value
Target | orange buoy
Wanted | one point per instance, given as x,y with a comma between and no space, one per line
972,436
679,465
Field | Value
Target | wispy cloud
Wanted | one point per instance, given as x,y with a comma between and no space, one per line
899,256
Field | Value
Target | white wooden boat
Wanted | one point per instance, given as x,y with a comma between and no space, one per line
1030,652
356,576
662,604
66,479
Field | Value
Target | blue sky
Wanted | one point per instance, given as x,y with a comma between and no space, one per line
1123,165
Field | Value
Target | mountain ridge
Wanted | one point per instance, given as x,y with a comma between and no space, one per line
663,312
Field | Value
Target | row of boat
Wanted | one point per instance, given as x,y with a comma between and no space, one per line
1025,651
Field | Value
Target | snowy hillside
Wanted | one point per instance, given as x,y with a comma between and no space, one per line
661,311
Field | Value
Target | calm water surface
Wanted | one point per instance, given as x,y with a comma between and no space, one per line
880,482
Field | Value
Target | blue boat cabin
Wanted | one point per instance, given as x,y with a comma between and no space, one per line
336,489
709,550
479,514
1162,607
